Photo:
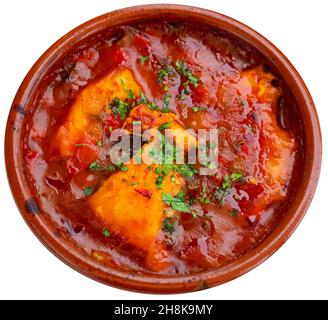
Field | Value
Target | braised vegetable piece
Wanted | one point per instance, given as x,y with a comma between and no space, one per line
155,209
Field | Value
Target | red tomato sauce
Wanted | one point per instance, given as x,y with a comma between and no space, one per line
260,145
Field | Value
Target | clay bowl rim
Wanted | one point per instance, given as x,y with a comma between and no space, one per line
148,283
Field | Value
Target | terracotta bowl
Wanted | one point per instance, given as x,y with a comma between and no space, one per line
65,250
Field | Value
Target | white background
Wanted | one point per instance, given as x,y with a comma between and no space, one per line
298,270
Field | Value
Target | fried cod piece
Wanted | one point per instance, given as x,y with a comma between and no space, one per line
130,204
83,123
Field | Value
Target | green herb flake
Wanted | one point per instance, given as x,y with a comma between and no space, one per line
185,71
222,191
119,108
166,168
168,224
88,191
194,214
198,108
157,170
186,170
235,176
125,88
142,99
94,165
100,143
153,106
110,168
159,182
161,75
106,232
172,178
164,126
80,145
164,73
234,213
177,203
130,94
143,59
166,103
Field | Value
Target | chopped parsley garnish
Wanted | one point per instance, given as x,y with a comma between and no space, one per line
125,88
88,191
172,178
222,191
159,182
198,108
164,73
185,71
161,75
166,103
119,108
106,232
153,106
180,195
158,170
94,166
194,214
143,59
142,99
234,212
166,168
130,94
110,168
177,203
203,198
168,224
236,176
186,170
164,126
100,143
122,167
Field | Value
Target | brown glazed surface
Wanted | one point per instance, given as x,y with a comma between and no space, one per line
142,281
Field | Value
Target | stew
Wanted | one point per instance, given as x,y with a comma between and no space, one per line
164,217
